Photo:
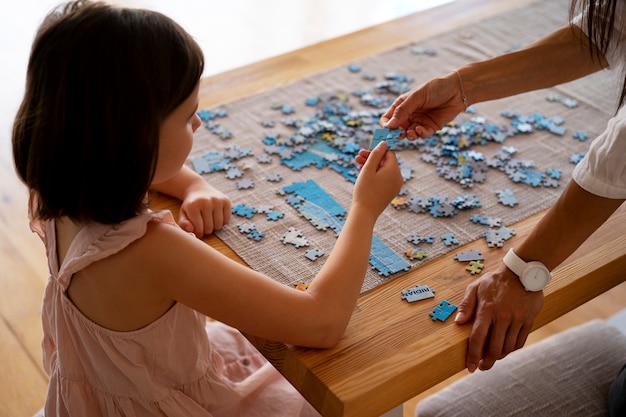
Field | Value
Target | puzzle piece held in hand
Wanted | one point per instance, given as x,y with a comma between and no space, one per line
386,135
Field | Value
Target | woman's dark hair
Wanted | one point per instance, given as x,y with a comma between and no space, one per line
100,82
598,19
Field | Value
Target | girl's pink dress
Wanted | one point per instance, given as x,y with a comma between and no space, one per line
179,365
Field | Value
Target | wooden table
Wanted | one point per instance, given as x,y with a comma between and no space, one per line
392,351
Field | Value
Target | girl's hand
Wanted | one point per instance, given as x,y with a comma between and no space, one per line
380,178
204,209
426,109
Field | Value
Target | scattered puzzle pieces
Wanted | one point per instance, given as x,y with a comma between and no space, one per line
251,232
334,131
496,237
417,239
442,311
486,220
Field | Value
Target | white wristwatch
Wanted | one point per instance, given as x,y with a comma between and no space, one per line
533,275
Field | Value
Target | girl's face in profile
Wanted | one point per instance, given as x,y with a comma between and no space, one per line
176,137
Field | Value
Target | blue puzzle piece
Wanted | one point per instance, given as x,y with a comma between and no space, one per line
442,311
274,215
449,239
256,235
251,232
383,134
243,211
417,239
580,135
576,158
313,254
506,197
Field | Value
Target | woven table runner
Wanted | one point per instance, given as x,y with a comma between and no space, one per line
255,150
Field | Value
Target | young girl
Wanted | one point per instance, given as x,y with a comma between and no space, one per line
109,111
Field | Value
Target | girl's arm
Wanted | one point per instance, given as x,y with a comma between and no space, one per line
191,272
203,209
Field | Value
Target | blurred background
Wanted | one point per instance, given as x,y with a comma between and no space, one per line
231,33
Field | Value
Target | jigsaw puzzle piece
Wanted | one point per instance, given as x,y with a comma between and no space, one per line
442,311
449,239
475,267
417,293
470,255
391,136
416,253
313,254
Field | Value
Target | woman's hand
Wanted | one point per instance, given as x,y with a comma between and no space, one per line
426,109
503,313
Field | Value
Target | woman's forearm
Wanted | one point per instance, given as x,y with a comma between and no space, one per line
574,217
558,58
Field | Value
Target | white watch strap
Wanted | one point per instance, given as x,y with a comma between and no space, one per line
514,263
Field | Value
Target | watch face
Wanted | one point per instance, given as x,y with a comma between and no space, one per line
535,278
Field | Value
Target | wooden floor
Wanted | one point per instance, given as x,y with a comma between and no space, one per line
23,273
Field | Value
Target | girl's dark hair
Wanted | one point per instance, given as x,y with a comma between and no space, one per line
99,84
598,19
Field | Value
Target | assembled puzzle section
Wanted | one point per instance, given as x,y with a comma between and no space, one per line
323,212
